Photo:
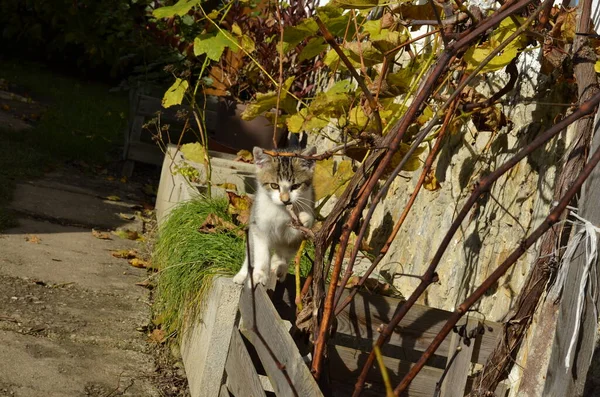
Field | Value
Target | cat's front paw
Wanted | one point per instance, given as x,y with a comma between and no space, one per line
260,277
306,219
240,278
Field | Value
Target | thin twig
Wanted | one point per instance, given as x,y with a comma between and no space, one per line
389,392
280,85
297,272
325,155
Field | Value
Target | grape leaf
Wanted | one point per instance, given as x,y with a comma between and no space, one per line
314,47
331,178
180,8
214,45
175,93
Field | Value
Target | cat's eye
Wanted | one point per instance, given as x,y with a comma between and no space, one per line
296,186
274,186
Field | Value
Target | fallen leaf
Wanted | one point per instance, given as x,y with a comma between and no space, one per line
127,234
239,206
245,156
32,238
124,254
228,186
127,217
157,336
216,224
140,263
113,198
123,179
101,235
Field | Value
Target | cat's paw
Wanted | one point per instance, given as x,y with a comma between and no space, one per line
306,219
240,278
281,272
260,277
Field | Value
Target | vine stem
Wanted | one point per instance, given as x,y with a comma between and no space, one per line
426,168
481,187
380,160
550,220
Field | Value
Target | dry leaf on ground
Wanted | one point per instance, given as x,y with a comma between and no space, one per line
32,238
157,336
127,217
113,198
124,254
101,235
140,263
127,234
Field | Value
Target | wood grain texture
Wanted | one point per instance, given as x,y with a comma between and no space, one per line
271,327
458,372
346,363
359,323
242,378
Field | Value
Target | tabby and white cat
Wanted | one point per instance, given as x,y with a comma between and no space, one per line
282,182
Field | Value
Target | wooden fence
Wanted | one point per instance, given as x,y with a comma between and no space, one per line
249,369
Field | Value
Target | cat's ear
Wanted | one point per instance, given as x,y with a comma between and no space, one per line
260,157
309,164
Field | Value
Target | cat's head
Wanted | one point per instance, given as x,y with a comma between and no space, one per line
286,180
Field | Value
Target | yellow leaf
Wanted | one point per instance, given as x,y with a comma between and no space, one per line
431,183
175,93
101,235
194,152
124,254
127,234
475,55
32,238
113,198
245,156
597,66
236,30
228,186
240,206
331,178
126,217
139,263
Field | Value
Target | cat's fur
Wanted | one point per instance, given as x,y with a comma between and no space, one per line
282,182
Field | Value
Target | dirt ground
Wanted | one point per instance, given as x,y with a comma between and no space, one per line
73,322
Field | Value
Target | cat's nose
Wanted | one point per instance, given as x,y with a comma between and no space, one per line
285,198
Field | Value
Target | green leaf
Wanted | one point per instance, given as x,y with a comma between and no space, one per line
213,45
194,152
305,120
314,47
387,40
180,8
329,11
248,44
293,35
370,55
372,27
264,102
175,93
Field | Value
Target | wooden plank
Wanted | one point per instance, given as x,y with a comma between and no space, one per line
360,321
242,379
205,341
458,372
271,327
148,153
346,364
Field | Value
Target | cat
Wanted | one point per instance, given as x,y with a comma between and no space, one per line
281,182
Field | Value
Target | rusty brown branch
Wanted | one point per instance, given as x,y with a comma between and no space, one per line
426,168
482,186
378,161
550,220
498,363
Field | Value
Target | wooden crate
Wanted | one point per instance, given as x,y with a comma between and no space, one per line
249,370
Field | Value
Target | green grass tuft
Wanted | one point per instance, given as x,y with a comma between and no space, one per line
188,260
